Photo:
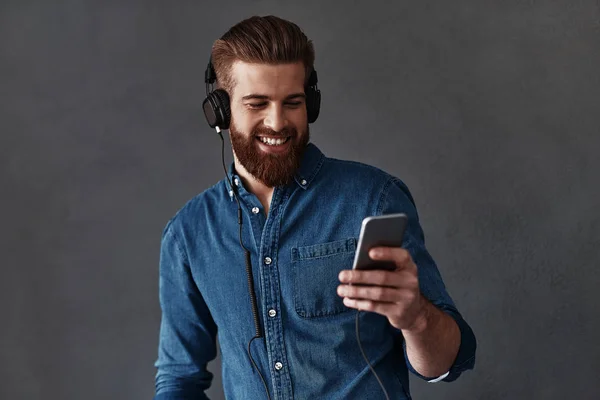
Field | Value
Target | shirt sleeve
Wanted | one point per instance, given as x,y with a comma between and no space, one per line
187,339
396,198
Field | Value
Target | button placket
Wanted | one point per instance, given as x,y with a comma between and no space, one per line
270,275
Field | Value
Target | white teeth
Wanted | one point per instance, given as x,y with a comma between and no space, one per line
273,142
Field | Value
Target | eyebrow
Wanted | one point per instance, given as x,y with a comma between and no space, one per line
265,97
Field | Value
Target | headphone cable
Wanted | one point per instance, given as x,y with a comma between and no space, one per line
253,301
366,359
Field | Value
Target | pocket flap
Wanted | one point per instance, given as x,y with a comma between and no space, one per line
323,249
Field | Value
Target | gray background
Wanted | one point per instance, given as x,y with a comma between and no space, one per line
489,111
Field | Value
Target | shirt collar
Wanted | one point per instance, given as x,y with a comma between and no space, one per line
309,166
312,159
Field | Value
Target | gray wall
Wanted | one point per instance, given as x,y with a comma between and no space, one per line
489,111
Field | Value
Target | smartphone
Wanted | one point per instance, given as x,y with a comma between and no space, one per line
382,230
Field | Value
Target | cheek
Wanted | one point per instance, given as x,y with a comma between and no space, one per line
299,119
244,121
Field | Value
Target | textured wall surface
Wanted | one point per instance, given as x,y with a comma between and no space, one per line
489,111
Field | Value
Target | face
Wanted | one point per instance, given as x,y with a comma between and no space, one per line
269,128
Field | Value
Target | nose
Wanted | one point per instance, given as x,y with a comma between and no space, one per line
275,118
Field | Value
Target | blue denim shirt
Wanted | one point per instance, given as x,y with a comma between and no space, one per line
297,250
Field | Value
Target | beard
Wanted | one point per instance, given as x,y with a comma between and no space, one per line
270,169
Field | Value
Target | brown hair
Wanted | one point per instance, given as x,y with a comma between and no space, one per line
264,40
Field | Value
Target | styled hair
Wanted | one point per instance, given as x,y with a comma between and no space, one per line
260,40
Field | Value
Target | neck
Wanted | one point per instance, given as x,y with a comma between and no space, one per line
259,189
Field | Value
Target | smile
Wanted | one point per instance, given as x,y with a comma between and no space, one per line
273,142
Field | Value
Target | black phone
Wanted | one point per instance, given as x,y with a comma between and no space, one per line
382,230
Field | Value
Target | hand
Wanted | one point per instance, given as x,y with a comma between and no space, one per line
394,294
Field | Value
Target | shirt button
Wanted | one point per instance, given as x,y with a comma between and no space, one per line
236,181
278,366
255,210
272,313
303,182
268,260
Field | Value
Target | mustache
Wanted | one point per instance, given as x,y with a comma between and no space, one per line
264,131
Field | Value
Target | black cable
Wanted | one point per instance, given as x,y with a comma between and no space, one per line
366,359
253,301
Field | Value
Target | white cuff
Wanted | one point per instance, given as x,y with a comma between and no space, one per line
439,378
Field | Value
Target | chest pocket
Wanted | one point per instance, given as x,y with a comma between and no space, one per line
315,273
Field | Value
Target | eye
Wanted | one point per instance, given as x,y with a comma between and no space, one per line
256,106
293,104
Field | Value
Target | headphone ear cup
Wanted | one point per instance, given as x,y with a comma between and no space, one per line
224,106
313,103
216,109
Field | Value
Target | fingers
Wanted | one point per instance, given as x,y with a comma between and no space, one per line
382,308
381,291
369,277
398,255
398,278
375,293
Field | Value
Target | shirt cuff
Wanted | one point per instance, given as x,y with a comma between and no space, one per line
465,358
439,378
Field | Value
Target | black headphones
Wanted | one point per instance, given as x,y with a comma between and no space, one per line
218,112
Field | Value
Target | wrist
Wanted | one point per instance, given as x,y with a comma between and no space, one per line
422,320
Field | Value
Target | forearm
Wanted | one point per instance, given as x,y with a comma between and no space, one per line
433,342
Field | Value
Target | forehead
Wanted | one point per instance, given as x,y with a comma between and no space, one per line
275,81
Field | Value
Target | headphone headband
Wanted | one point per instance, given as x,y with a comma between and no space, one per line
210,76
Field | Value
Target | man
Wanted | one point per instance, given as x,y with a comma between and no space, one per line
301,213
